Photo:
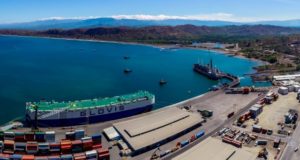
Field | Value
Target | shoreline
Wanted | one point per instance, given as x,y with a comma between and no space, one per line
160,46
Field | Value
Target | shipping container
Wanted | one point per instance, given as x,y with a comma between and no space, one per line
79,156
65,146
40,158
9,136
77,146
102,151
261,142
40,136
28,157
97,139
199,134
9,146
184,143
4,156
55,148
105,156
87,145
54,158
15,157
19,136
66,157
20,147
70,135
91,155
31,147
44,148
283,90
29,136
256,128
50,136
79,134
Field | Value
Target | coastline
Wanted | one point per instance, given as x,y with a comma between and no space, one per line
160,46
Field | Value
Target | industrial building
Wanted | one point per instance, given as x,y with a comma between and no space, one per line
150,131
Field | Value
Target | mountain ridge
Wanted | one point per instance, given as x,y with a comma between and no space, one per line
113,22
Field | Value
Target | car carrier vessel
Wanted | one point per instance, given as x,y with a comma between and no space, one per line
50,114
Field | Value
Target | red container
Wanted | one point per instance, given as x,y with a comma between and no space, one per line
87,145
105,156
28,157
29,136
97,146
79,156
9,147
102,151
65,146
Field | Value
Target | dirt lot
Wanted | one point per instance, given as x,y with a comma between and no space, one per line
274,113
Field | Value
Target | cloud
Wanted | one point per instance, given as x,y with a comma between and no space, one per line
212,17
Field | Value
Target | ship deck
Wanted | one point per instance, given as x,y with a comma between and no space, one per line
90,103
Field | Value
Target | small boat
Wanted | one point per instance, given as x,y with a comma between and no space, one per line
162,82
126,57
127,70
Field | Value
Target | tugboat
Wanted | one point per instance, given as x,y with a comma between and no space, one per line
208,70
127,70
162,82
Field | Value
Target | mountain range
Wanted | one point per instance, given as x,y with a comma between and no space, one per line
113,22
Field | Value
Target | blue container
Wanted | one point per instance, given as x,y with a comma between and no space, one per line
15,157
54,158
184,143
66,157
97,138
199,134
40,136
79,134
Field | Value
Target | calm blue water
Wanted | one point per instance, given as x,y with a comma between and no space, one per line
32,69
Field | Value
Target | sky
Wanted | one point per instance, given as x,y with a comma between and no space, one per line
12,11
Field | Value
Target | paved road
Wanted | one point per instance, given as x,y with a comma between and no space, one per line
293,142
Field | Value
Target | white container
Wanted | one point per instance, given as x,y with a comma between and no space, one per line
283,90
50,136
291,88
296,88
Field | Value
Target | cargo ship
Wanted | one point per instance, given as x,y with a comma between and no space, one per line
51,114
208,70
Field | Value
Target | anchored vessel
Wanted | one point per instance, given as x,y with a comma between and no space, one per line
208,71
89,111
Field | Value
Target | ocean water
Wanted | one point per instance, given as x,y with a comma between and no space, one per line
33,69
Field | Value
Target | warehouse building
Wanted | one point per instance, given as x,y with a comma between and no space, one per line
156,128
209,147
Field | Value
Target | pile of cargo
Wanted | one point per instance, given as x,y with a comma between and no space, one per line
98,154
232,142
43,144
291,117
259,129
235,137
193,138
243,118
